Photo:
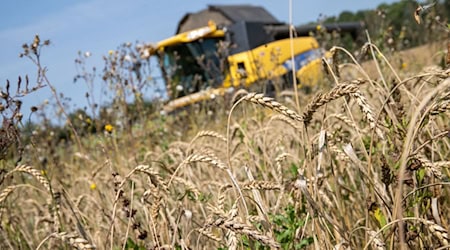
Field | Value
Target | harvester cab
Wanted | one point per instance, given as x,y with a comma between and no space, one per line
226,47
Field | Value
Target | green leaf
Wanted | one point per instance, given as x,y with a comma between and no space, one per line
420,175
294,169
132,245
304,243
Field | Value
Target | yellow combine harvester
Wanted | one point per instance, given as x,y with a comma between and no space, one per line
233,46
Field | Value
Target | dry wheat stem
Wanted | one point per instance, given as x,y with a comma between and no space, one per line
377,65
386,61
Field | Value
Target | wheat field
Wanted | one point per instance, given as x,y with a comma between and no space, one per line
362,163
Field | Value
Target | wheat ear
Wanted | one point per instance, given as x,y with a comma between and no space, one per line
34,172
321,99
245,229
73,239
268,102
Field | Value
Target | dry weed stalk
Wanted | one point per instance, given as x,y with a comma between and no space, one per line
129,213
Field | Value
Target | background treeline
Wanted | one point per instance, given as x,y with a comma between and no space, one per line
393,25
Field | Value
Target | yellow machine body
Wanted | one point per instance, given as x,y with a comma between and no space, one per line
249,47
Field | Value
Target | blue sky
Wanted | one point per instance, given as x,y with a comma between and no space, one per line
101,25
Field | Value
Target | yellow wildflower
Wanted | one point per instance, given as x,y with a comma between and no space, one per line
93,186
109,128
404,65
319,27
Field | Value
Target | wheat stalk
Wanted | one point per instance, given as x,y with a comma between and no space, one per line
209,134
210,159
433,168
438,231
73,239
377,243
245,229
207,232
6,192
261,185
35,173
345,119
221,195
268,102
286,120
440,107
367,110
321,99
154,176
189,185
